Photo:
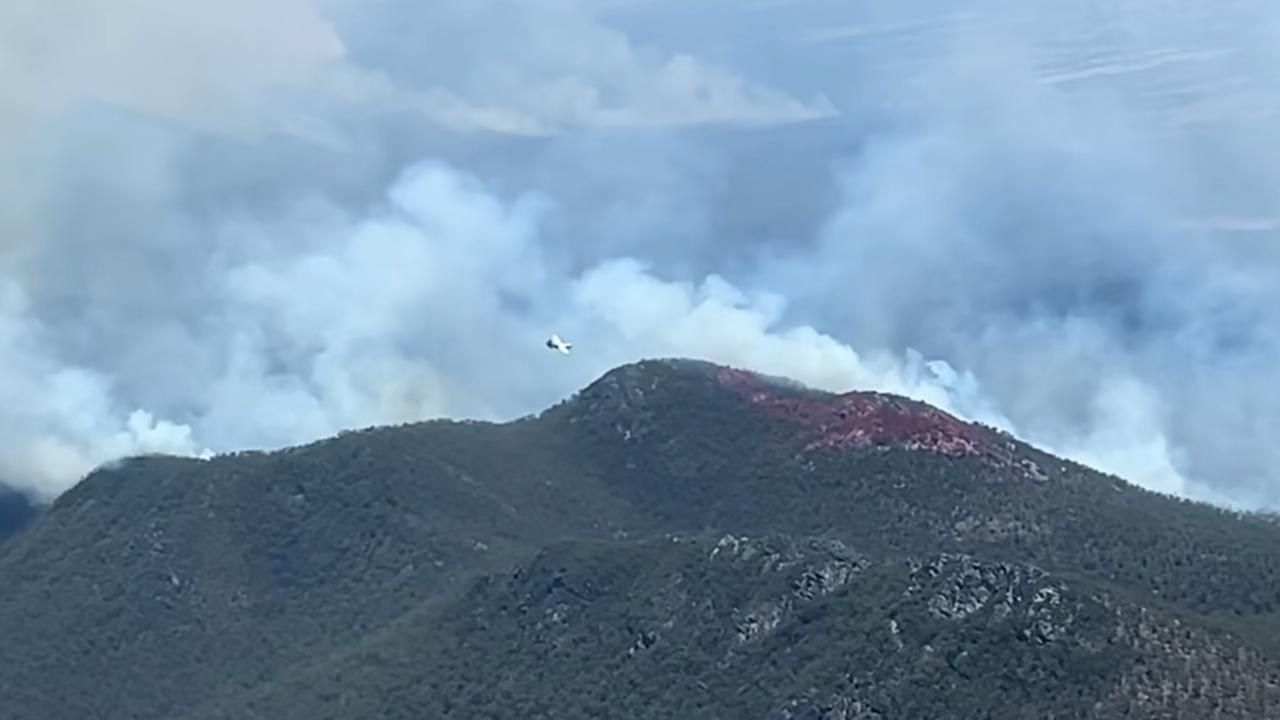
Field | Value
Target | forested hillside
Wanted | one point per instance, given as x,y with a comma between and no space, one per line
679,539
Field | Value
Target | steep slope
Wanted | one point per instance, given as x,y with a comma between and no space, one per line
342,577
154,584
776,627
712,447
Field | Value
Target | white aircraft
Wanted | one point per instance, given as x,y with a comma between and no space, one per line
555,343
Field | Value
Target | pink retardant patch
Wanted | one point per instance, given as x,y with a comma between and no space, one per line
864,419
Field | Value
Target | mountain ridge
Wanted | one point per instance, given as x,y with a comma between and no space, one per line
298,580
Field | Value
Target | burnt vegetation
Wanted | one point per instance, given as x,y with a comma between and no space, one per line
676,540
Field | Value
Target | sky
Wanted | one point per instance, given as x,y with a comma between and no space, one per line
246,225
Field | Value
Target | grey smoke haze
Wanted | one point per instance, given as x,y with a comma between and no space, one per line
254,224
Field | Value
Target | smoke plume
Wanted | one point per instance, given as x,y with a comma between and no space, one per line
258,224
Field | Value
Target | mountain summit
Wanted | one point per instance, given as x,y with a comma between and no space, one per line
678,539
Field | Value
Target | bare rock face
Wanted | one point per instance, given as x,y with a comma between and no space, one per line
745,617
812,569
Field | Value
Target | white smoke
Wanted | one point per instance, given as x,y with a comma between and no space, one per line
207,245
369,326
58,420
447,280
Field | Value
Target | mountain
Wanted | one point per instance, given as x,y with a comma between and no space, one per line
678,539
